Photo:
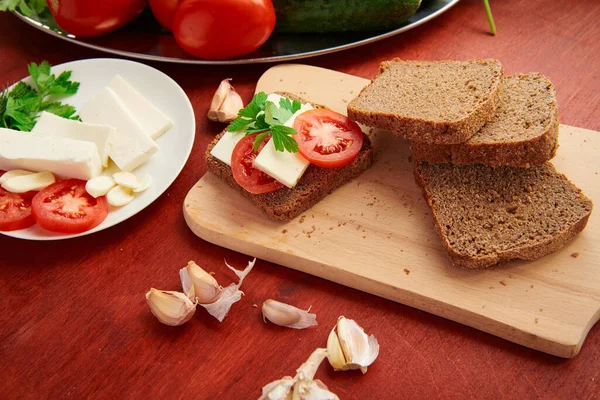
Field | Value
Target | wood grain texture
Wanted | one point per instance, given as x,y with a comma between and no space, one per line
74,323
375,234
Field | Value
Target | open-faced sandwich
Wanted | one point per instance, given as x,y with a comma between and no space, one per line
285,154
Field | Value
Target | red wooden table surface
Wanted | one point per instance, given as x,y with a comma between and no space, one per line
74,322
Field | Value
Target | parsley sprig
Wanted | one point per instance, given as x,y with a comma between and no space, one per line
27,7
264,117
20,105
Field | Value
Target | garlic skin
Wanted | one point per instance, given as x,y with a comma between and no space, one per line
312,390
349,347
198,284
283,314
226,103
169,307
230,294
278,390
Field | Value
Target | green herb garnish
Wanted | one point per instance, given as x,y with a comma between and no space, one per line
20,105
262,116
488,12
26,7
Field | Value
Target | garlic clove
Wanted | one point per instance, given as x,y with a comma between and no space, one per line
359,350
218,98
312,390
199,284
309,368
119,196
283,314
171,308
12,174
230,295
231,106
278,390
145,182
126,179
99,186
335,355
29,182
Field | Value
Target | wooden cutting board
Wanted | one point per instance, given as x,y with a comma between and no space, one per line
376,234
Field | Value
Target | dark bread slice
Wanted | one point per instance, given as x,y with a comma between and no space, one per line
522,133
432,102
485,216
316,183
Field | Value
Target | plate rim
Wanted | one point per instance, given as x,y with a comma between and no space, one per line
259,60
185,159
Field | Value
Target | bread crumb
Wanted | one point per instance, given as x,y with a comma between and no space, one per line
510,276
364,237
254,305
331,228
503,283
284,231
483,306
575,255
541,310
491,287
370,204
407,271
302,218
537,320
531,286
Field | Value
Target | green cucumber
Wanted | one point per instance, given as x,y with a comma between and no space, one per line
300,16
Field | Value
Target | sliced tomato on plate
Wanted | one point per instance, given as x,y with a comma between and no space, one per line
66,207
15,210
327,139
244,173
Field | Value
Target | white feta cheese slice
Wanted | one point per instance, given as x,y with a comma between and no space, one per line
132,147
102,135
284,166
67,158
153,121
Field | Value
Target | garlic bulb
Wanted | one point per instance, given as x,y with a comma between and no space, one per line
171,308
302,386
349,347
198,284
226,103
287,315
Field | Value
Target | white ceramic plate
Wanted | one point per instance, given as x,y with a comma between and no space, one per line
175,144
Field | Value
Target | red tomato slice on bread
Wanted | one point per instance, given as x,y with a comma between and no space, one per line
66,207
327,139
244,173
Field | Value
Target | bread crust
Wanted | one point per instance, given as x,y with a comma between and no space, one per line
527,252
428,131
286,203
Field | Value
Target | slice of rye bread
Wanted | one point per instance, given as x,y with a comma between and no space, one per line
485,216
432,102
522,133
316,183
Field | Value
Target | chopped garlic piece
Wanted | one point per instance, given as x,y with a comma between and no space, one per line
99,186
145,182
13,173
119,196
29,182
126,179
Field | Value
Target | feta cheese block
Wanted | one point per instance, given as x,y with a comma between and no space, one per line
153,121
224,147
132,147
284,166
65,157
102,135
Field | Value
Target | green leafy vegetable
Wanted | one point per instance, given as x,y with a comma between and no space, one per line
261,116
20,105
490,18
25,7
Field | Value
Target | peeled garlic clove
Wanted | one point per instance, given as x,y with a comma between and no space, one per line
335,355
231,106
312,390
12,174
28,182
230,295
218,98
99,186
359,350
278,390
205,288
171,308
145,182
287,315
119,196
126,179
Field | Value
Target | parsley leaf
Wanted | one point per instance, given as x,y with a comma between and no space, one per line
26,7
20,105
264,117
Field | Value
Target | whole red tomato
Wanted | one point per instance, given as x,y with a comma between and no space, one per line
221,29
87,18
164,11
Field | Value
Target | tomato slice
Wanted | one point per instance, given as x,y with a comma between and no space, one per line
66,207
327,139
15,210
245,174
